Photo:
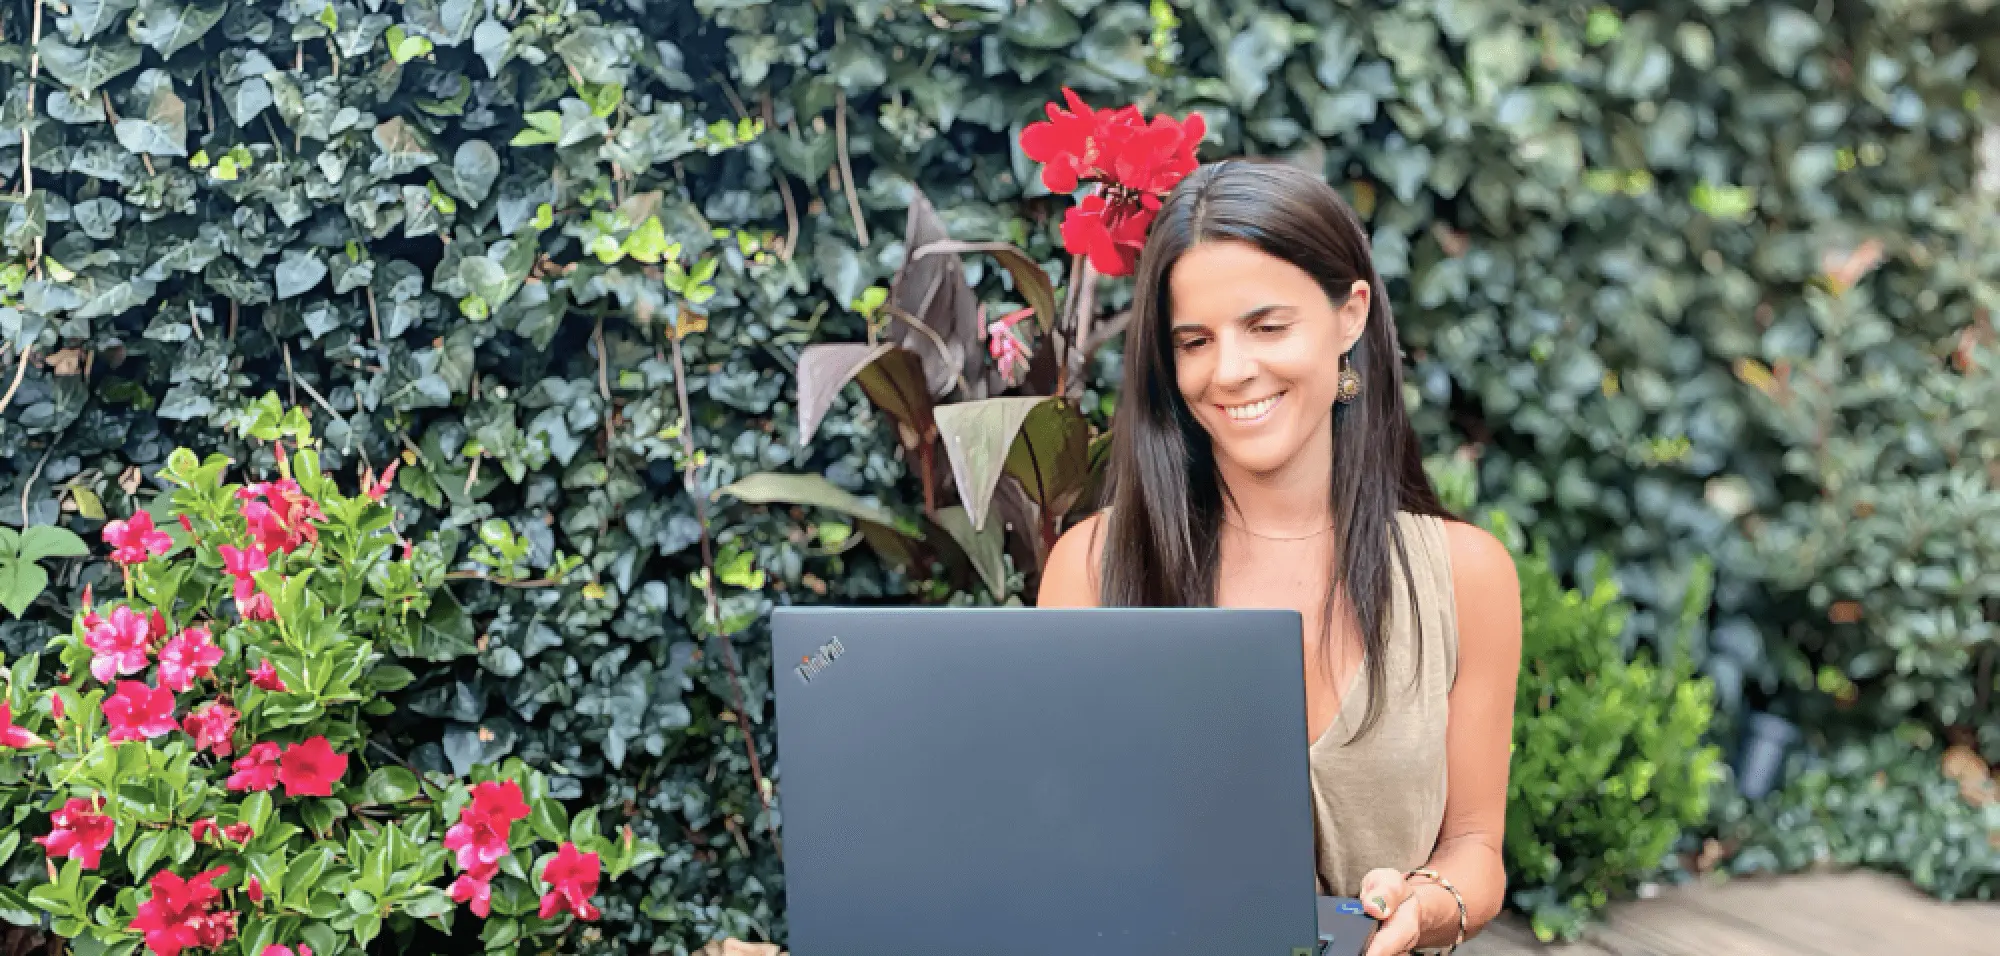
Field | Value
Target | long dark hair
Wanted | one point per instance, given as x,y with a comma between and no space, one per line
1162,532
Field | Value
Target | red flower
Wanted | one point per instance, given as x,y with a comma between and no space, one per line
237,833
188,655
16,737
181,914
254,890
480,835
119,646
186,525
380,486
572,879
81,833
265,675
309,769
1133,161
138,712
240,564
478,892
257,769
212,725
258,608
284,519
135,539
1003,346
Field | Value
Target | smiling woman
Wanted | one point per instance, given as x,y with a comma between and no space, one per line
1262,457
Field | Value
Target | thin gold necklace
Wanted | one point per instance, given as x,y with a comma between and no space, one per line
1273,537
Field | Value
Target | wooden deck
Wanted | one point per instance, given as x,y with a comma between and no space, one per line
1827,914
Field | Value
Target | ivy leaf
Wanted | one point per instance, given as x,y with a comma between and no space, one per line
297,272
403,47
473,169
600,54
88,18
402,150
84,69
164,130
247,100
170,29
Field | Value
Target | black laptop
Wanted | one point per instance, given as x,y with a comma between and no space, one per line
1027,782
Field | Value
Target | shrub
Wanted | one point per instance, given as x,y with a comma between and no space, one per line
1609,762
207,763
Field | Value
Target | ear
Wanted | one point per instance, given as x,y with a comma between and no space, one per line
1352,315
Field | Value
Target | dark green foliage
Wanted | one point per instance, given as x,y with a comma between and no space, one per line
1599,223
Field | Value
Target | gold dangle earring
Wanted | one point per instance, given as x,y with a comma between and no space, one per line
1350,381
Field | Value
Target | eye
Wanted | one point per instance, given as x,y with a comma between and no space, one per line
1190,343
1273,328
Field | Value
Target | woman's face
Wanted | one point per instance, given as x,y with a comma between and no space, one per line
1257,347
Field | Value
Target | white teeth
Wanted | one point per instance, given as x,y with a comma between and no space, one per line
1252,411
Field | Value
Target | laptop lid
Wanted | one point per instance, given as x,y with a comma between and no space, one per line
1020,782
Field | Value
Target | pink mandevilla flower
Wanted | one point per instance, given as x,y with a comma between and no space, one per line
139,712
189,655
119,645
135,539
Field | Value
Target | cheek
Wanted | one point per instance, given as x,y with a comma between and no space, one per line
1191,375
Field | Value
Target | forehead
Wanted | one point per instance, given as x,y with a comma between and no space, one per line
1216,282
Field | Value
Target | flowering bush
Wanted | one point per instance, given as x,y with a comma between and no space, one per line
204,759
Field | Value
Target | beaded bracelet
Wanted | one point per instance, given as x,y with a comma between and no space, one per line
1438,878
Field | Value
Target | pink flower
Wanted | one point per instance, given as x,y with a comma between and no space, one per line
572,879
257,769
310,769
1003,346
237,833
188,655
201,830
284,519
258,608
139,712
119,646
240,564
181,914
376,489
135,539
255,890
81,833
478,892
186,525
212,725
15,737
265,675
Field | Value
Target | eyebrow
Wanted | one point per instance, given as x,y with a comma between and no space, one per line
1244,319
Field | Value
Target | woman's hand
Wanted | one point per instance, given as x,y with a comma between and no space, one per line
1390,897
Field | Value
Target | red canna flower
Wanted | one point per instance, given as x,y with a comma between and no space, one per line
181,914
265,676
80,834
1133,162
212,726
572,879
134,540
139,712
257,769
120,645
19,738
188,655
310,769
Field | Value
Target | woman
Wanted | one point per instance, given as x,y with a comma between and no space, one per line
1262,457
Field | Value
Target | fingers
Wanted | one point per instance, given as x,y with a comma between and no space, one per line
1383,892
1397,936
737,947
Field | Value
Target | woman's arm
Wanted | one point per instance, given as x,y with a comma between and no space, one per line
1478,742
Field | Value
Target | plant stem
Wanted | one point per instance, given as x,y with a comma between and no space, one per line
847,168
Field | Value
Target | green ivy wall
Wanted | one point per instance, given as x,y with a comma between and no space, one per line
1607,229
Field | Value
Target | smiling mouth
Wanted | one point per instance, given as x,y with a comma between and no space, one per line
1253,412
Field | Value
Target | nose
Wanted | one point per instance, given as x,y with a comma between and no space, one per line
1235,364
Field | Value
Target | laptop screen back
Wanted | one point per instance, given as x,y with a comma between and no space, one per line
1016,782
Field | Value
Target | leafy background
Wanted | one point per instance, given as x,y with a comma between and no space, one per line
1677,280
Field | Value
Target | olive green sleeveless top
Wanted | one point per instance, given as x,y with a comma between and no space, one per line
1378,801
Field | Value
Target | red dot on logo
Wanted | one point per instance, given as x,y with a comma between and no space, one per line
805,659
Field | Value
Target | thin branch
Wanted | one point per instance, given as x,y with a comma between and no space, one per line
374,320
290,379
784,192
19,370
27,147
847,167
194,318
290,376
604,383
37,473
708,565
232,320
503,582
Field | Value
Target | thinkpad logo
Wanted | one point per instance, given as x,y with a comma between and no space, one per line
811,664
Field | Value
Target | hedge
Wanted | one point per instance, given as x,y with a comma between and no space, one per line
1680,280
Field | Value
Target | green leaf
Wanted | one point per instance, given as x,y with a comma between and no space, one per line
473,169
255,811
20,583
985,547
403,47
978,437
543,128
50,541
427,902
392,785
169,29
88,18
549,820
895,383
403,150
1051,458
810,490
298,272
85,69
303,875
164,130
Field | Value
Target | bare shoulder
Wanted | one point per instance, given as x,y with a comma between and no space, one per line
1486,593
1069,577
